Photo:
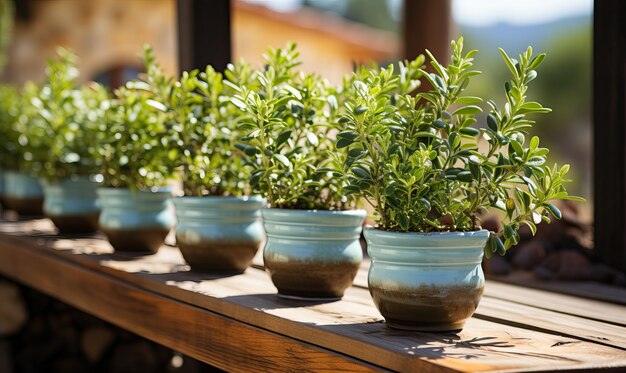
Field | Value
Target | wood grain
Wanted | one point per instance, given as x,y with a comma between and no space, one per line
584,289
351,327
204,335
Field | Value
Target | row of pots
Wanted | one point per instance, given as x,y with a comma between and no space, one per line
427,282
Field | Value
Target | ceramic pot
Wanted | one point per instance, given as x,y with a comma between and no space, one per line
219,234
72,205
312,254
2,202
426,281
23,193
134,220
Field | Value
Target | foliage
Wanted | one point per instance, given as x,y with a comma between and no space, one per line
201,123
133,149
289,128
22,150
6,26
9,104
419,159
66,127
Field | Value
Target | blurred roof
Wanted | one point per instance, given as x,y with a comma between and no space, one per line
357,35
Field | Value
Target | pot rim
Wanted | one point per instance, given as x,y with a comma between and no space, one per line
276,210
255,198
125,191
389,234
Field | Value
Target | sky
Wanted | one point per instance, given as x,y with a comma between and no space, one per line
518,12
483,12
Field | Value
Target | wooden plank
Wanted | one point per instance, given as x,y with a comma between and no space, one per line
566,304
204,34
609,131
585,289
529,317
206,336
351,327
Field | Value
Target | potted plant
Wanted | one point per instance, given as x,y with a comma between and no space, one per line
68,127
9,97
219,227
420,162
22,190
312,248
135,200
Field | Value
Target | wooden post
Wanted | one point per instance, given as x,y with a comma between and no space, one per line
427,25
204,35
609,131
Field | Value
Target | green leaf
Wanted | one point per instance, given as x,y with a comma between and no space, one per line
343,142
492,122
554,210
468,110
469,131
500,248
282,137
509,63
468,100
282,159
359,110
312,138
237,102
465,176
439,124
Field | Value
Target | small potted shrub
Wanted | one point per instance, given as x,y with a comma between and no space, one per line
312,248
68,127
219,227
421,163
135,200
9,98
22,190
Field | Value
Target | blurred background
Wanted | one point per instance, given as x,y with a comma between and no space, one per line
332,36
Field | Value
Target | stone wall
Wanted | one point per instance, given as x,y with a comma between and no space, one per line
109,34
104,33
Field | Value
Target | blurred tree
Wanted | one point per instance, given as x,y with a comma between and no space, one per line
6,25
373,13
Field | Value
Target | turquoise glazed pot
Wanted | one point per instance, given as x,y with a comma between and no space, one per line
23,193
219,234
426,281
135,220
2,203
312,254
72,205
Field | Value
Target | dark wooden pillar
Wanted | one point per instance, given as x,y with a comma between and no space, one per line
427,25
609,130
204,35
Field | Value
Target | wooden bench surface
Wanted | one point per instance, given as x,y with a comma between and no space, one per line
238,323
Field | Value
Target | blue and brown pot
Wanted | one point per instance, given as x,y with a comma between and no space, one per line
135,221
2,202
312,254
72,204
426,281
23,193
219,234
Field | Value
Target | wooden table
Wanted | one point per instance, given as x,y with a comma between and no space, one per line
238,323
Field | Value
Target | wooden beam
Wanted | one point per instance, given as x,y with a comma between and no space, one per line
609,124
204,35
427,25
